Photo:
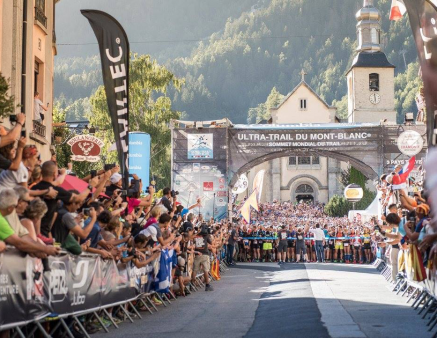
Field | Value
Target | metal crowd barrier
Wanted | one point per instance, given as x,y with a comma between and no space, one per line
424,300
142,302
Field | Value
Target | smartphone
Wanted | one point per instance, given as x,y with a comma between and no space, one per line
23,133
109,166
93,173
86,211
123,192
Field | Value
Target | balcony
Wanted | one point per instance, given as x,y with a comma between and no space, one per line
39,129
40,15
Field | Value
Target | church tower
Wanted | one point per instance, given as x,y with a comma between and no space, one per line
370,79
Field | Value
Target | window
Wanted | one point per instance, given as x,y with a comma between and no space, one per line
304,189
292,160
40,10
303,104
304,160
36,73
374,82
307,162
374,34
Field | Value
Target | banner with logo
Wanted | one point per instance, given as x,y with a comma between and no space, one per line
200,169
423,17
200,146
139,156
74,284
114,55
85,148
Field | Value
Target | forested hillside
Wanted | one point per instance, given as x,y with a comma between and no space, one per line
261,48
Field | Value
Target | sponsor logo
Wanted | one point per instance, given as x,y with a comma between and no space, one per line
208,186
58,282
81,272
410,143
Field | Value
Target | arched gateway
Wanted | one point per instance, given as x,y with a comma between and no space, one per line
208,157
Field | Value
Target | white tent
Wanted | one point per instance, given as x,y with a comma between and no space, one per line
366,215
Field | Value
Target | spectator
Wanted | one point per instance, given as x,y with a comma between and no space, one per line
164,222
203,244
154,215
67,222
395,237
8,203
38,108
33,214
49,173
13,218
231,245
8,138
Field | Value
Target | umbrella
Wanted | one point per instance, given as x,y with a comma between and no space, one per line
75,183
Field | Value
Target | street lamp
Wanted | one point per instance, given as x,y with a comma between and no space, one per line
353,193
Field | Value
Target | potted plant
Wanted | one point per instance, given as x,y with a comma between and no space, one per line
58,133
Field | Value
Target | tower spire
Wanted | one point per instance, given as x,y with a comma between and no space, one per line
368,28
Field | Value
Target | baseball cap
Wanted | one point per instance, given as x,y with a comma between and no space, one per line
115,178
150,232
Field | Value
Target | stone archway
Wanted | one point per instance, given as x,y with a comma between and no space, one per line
304,188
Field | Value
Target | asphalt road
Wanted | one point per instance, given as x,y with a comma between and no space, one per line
294,300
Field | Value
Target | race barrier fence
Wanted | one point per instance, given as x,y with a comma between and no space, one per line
32,289
422,293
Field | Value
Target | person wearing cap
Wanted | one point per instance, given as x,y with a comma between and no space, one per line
116,184
422,212
150,232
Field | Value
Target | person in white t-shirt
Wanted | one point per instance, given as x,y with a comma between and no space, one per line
319,237
38,106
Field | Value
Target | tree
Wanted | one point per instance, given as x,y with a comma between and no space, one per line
338,206
150,111
262,111
7,106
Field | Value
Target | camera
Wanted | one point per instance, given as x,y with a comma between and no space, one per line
109,166
93,173
174,193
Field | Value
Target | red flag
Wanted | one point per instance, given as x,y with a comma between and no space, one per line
400,180
398,10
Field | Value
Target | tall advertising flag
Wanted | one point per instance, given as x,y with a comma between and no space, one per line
114,54
423,21
139,156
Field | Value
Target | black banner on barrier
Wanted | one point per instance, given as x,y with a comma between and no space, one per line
72,285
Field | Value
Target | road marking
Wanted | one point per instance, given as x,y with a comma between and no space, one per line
334,316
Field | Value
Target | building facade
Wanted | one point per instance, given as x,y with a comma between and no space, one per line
27,51
370,82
